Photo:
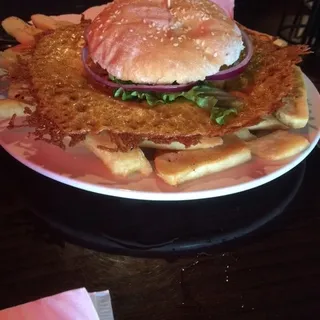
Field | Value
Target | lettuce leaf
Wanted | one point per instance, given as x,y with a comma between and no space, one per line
220,115
200,95
116,80
218,102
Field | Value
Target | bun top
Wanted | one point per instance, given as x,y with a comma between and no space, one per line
144,41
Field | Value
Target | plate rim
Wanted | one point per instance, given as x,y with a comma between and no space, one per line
168,196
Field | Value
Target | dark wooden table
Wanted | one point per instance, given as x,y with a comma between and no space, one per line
272,275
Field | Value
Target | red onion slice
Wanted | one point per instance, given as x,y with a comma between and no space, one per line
133,87
238,68
222,75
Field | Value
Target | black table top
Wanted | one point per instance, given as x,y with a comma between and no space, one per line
173,263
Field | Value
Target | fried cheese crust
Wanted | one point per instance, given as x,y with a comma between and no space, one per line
71,104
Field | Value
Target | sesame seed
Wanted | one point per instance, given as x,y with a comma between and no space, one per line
171,38
161,40
144,38
215,54
175,44
131,30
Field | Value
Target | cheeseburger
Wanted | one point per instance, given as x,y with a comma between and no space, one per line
177,75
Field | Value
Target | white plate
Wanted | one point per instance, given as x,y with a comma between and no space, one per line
79,168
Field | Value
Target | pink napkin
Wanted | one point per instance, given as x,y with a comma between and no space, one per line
226,5
70,305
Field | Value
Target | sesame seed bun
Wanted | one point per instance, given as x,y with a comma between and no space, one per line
146,42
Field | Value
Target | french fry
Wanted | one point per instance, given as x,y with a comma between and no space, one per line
20,91
7,58
268,123
280,43
119,163
44,22
245,135
278,145
295,111
204,143
20,30
10,107
176,167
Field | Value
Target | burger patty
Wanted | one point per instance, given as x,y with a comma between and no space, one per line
68,102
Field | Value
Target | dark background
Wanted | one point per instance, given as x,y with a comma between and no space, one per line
263,15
